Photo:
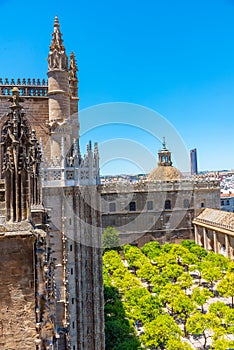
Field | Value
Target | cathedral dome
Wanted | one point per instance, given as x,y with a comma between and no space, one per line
165,171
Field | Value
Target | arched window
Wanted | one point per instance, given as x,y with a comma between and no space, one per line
167,204
202,205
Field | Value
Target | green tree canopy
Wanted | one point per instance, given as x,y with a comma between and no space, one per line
226,286
200,296
151,249
219,309
159,331
211,272
229,321
218,260
177,344
185,280
110,239
202,324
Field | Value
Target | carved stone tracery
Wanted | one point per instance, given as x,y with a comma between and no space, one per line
21,163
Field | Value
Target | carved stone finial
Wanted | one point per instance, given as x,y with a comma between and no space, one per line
15,99
57,41
56,21
57,56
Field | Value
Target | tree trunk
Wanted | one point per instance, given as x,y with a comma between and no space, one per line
185,329
204,346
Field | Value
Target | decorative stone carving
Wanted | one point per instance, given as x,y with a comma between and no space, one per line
73,80
57,58
21,162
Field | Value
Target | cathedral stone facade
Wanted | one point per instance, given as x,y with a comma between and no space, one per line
67,187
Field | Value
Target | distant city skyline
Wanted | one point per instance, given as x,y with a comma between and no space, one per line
175,58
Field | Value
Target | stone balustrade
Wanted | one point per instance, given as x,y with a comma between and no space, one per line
27,87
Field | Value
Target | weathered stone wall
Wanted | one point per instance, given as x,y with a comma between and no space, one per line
159,223
17,295
75,212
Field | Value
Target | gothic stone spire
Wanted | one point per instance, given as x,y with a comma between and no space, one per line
57,59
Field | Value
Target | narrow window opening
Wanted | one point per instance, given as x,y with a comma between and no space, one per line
167,204
132,206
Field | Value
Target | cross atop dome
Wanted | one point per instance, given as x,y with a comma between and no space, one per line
164,143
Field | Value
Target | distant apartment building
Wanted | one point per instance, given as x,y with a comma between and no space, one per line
227,202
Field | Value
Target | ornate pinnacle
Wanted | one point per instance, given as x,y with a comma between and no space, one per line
57,58
73,67
15,99
57,41
73,80
56,21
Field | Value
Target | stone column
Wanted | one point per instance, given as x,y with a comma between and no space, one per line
227,245
231,252
215,242
196,234
205,238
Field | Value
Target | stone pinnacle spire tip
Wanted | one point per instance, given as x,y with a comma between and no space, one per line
57,41
56,21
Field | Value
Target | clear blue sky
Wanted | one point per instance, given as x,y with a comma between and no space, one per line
175,57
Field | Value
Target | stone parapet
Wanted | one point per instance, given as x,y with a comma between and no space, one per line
27,87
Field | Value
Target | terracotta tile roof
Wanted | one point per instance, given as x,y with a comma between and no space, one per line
224,195
216,217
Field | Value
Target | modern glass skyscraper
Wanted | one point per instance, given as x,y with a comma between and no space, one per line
193,161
